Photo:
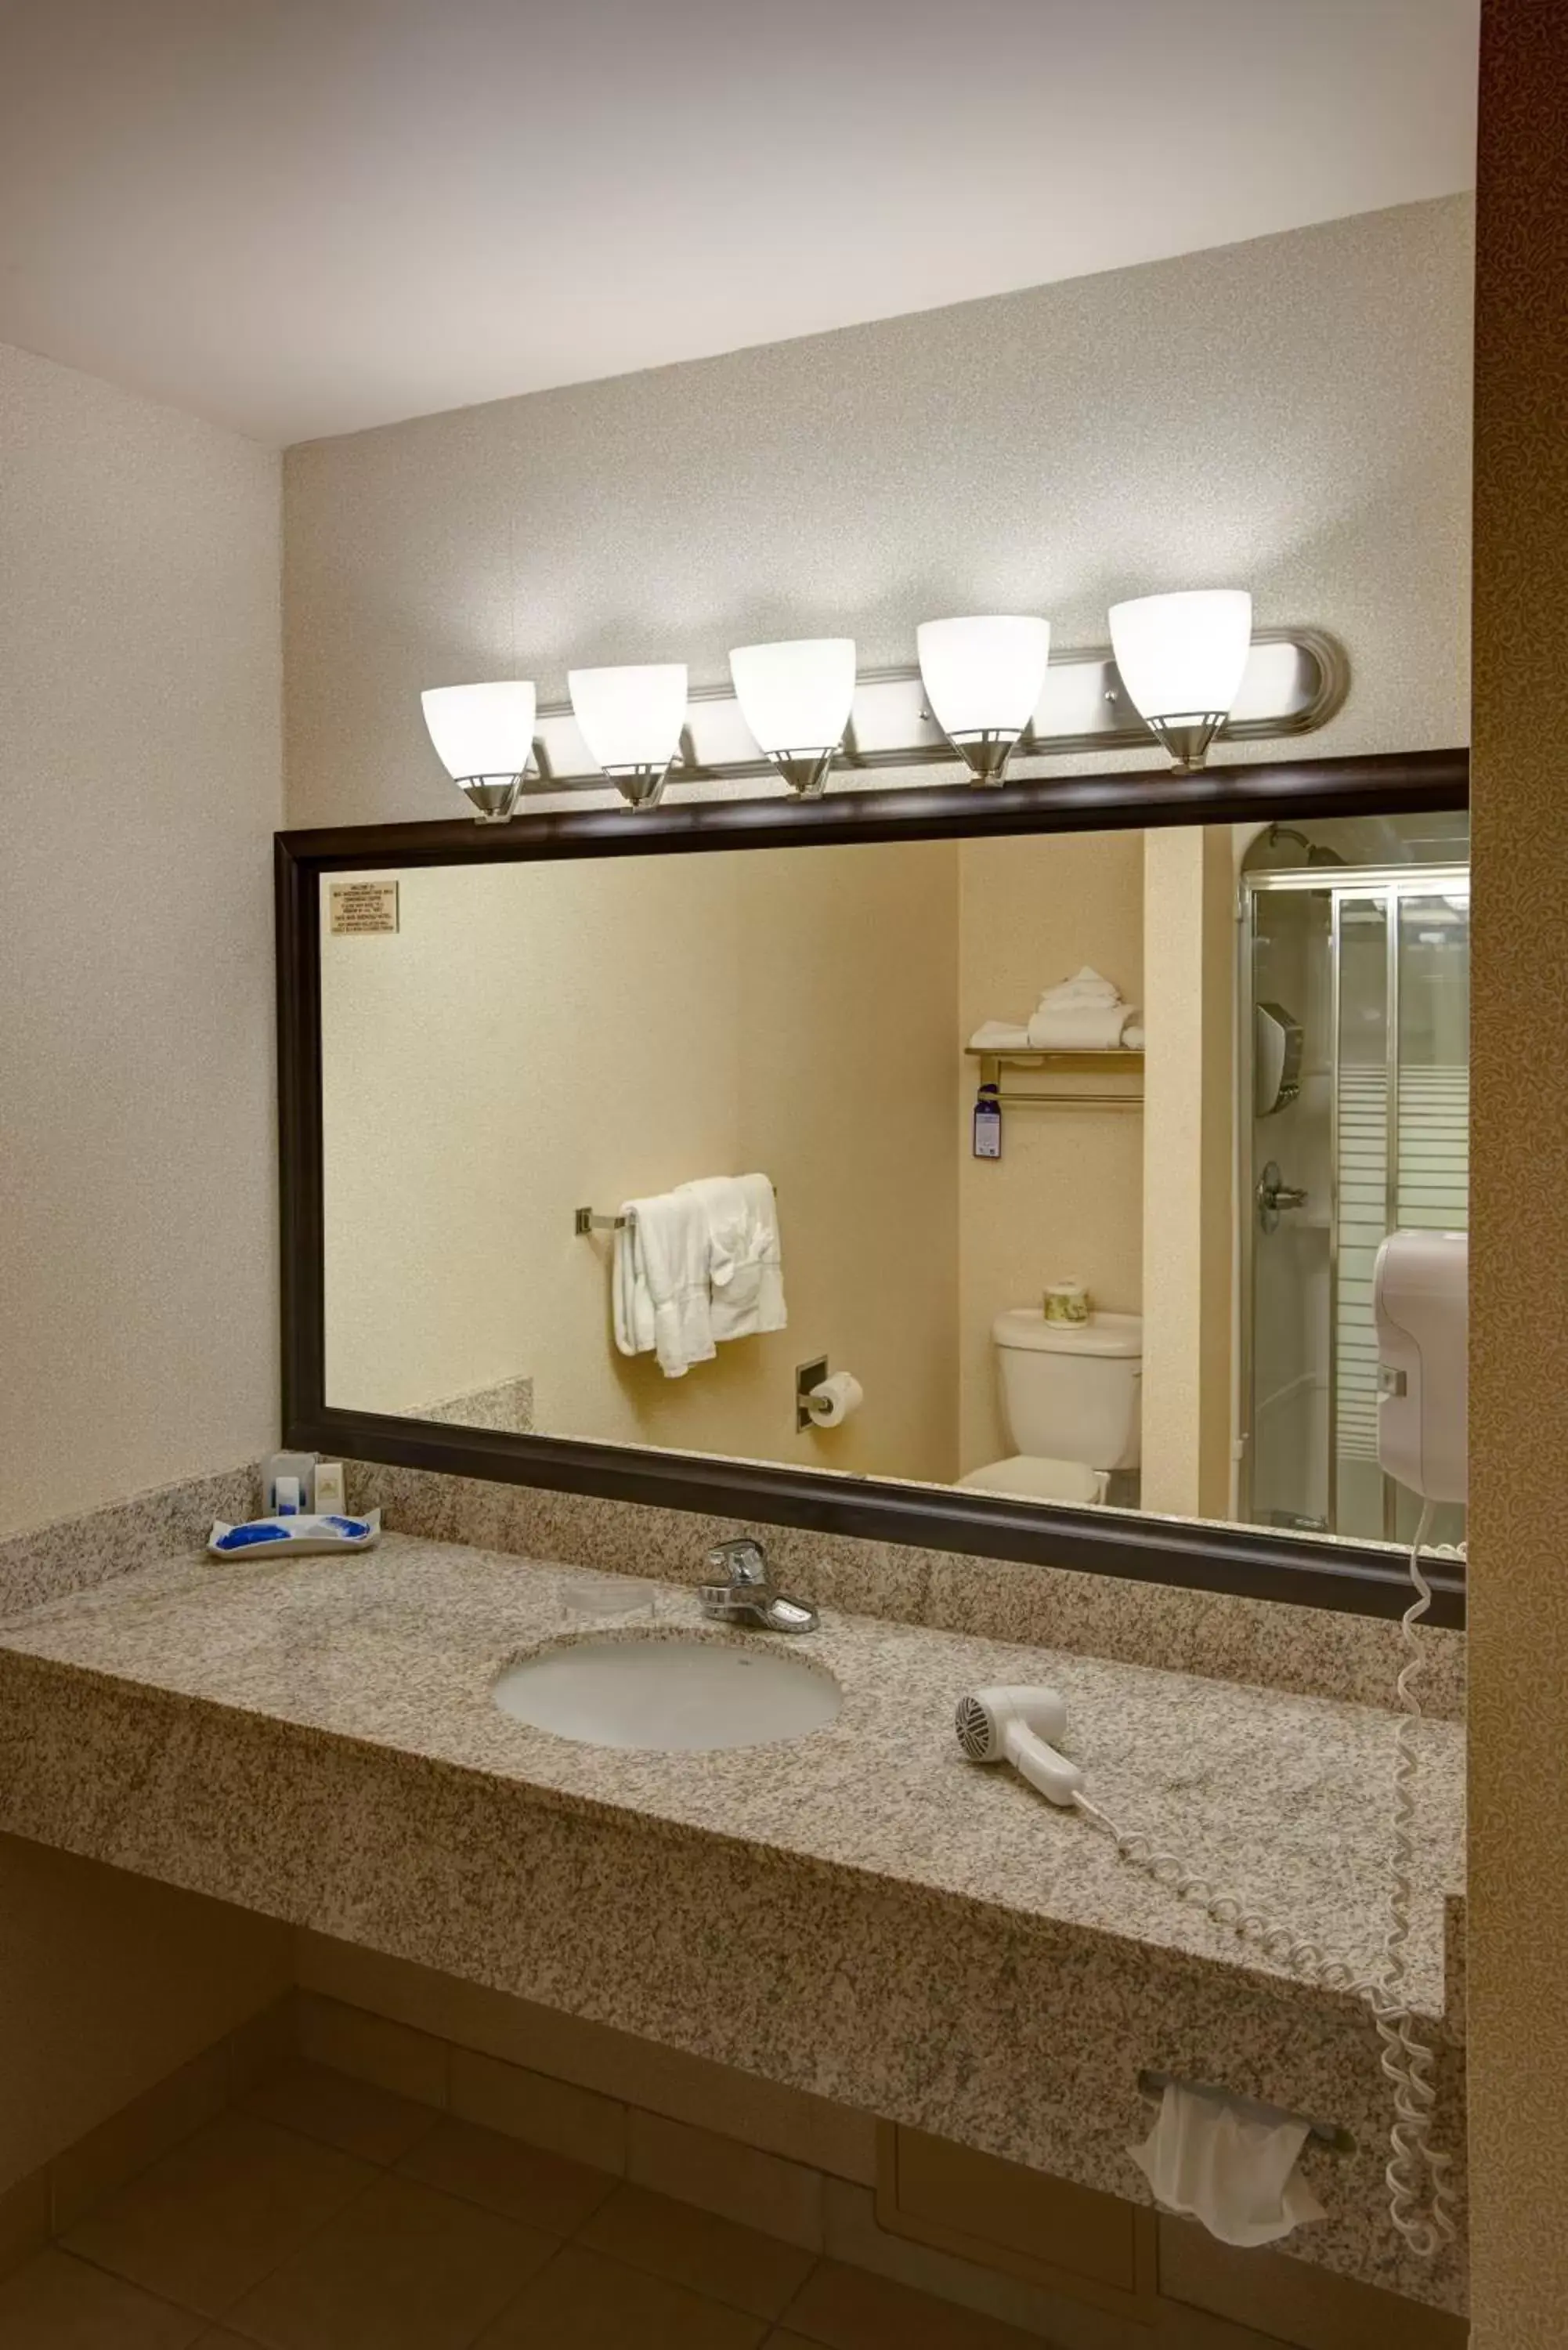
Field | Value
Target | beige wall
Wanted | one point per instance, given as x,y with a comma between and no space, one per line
1189,961
1519,1390
848,977
140,780
540,1037
1291,412
1189,421
108,1982
534,1039
1066,1197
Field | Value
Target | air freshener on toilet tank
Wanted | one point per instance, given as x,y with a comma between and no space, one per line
986,1124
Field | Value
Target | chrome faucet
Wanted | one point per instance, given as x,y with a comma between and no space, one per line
747,1595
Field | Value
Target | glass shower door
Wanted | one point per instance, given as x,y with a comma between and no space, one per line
1285,1236
1374,968
1432,1004
1363,1211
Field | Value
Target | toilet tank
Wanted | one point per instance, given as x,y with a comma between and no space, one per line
1072,1391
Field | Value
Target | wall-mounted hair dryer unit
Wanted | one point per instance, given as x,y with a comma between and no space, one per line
1017,1726
1420,1292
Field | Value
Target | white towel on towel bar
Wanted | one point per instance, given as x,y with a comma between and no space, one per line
745,1263
659,1282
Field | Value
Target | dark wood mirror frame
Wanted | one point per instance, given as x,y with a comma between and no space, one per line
1248,1560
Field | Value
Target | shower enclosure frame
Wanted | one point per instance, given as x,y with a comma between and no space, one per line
1392,884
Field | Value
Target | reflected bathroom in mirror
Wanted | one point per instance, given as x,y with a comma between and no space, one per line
1064,1157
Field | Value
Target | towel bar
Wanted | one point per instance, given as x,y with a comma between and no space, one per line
1069,1101
584,1220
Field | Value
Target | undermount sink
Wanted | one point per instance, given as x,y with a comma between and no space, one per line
669,1696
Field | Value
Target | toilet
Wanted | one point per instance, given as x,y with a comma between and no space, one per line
1071,1397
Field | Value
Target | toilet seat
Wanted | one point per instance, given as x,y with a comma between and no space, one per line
1029,1476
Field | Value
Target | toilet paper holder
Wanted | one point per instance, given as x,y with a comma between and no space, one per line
1331,2134
806,1376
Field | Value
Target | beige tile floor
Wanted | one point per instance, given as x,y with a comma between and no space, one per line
324,2214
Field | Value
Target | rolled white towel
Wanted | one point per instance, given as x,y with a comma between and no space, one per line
1081,1027
1000,1036
1085,986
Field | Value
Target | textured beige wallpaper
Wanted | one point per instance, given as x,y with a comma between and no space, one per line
540,1037
1190,959
1291,412
1066,1196
141,781
1519,1359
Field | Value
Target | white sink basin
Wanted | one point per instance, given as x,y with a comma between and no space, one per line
672,1697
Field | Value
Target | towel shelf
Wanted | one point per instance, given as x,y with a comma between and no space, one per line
1086,1064
1025,1056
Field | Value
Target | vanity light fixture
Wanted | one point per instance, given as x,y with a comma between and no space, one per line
983,678
631,719
483,735
796,699
1181,659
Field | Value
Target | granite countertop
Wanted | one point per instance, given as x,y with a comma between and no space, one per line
1284,1799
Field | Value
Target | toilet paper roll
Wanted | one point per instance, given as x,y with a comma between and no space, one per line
835,1398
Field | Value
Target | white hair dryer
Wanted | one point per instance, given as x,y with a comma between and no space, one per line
1016,1726
1419,1294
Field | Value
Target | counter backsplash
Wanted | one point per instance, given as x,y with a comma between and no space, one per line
1311,1650
74,1554
1307,1649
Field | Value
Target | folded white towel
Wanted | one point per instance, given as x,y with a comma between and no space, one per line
1085,986
1000,1036
744,1260
660,1281
1081,1027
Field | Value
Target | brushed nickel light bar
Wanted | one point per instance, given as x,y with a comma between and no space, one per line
1291,681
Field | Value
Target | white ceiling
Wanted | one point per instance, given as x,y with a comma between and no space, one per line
304,216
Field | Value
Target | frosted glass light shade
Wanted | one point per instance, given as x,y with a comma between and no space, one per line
481,730
985,675
630,718
1181,659
795,696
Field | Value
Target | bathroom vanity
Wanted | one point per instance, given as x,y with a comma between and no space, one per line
859,1911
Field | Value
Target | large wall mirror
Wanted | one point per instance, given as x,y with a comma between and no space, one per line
608,1158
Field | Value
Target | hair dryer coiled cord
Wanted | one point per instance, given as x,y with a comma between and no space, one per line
1408,2057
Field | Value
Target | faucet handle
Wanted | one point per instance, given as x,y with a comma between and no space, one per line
742,1561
